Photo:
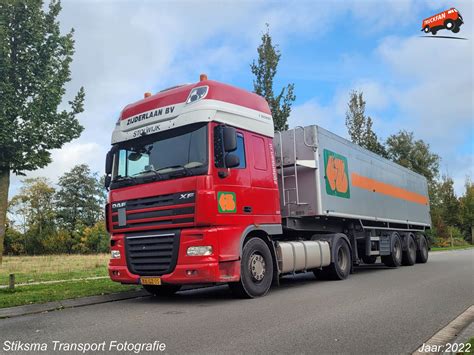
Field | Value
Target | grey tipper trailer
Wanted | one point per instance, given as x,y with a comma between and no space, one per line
332,189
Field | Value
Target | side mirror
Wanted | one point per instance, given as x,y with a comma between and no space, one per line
107,181
230,139
109,159
232,160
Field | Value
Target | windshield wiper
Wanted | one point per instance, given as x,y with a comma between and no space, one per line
157,175
124,179
181,168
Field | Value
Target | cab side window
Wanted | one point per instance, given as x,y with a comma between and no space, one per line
240,151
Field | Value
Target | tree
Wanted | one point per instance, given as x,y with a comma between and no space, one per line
359,126
413,154
34,207
265,70
79,199
467,210
34,67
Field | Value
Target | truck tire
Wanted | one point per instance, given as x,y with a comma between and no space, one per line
162,290
340,268
422,252
369,259
409,255
256,270
427,29
395,258
455,29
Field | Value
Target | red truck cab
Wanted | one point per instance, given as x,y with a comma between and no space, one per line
191,172
450,19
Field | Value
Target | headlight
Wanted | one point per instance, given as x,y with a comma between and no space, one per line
199,251
115,254
197,94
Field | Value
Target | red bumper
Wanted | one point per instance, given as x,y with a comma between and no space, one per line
216,268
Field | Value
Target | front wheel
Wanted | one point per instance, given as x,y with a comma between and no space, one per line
426,29
163,290
256,270
455,29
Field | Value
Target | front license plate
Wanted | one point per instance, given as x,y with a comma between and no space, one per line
150,281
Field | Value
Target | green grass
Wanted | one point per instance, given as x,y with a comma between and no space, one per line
456,247
60,291
471,348
52,267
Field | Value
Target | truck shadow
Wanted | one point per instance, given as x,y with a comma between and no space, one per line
206,296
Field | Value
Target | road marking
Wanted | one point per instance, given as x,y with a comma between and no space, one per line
448,333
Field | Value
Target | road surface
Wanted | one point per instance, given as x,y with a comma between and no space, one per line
376,310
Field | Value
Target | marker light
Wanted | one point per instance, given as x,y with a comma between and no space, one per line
202,77
197,94
115,254
147,94
199,251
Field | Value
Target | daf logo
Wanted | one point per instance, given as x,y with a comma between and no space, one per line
186,196
119,204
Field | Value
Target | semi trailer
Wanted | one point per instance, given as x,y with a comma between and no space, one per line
202,191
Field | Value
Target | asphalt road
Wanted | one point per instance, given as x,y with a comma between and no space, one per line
376,310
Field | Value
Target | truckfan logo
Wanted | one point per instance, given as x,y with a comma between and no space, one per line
337,176
450,20
226,202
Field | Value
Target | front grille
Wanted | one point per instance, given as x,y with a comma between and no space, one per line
153,253
158,212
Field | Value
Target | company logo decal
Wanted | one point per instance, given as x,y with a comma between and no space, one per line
150,114
337,176
226,202
450,20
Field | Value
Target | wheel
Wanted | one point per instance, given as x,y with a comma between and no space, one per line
434,32
426,29
409,255
455,29
162,290
340,268
369,259
422,252
395,258
449,24
256,270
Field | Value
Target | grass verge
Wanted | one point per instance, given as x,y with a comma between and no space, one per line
60,291
456,247
52,267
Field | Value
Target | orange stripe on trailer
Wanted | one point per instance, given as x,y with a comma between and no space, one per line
387,189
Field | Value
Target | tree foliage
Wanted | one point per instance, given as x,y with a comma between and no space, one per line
413,154
34,68
265,70
79,199
359,126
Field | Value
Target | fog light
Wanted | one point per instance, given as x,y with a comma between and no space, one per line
191,272
115,254
199,251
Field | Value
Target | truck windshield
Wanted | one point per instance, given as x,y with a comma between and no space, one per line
166,155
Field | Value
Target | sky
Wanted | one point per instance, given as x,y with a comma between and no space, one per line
328,48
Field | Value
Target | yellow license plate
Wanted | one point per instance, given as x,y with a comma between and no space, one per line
150,281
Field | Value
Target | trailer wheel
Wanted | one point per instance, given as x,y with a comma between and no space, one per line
422,252
340,268
256,270
395,258
163,290
409,255
369,259
427,29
